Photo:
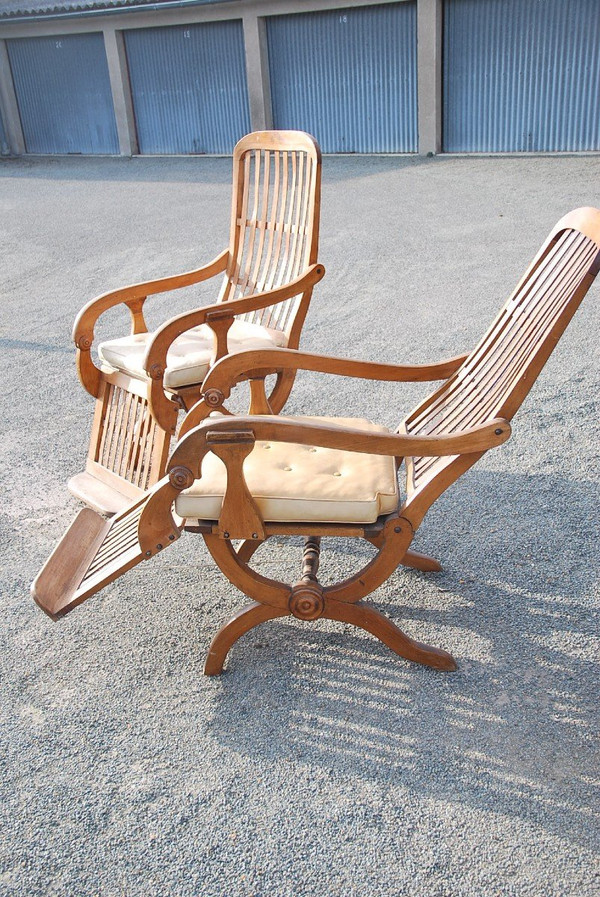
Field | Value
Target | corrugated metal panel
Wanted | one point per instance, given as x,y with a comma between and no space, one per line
349,77
521,75
63,92
189,87
4,147
31,8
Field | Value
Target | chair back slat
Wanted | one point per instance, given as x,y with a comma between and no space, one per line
489,373
495,378
275,220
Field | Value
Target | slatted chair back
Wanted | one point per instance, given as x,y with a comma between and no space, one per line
274,223
496,377
127,441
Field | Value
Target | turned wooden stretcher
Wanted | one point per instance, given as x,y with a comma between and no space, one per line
253,477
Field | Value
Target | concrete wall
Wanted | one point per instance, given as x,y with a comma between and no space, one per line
253,15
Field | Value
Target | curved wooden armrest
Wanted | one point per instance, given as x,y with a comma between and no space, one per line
232,440
190,450
232,368
134,297
220,311
220,315
89,314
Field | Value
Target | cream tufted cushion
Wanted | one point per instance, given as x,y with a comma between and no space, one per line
302,483
189,356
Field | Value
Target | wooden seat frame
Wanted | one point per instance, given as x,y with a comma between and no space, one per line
445,435
269,271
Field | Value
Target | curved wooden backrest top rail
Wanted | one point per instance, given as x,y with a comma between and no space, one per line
497,375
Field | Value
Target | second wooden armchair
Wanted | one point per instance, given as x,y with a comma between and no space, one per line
268,273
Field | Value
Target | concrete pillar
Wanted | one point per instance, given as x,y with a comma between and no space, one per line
114,45
9,105
257,71
429,75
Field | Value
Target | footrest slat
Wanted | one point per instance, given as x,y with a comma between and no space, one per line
92,553
61,575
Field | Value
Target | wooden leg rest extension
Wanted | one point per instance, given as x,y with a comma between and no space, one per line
93,552
128,450
56,585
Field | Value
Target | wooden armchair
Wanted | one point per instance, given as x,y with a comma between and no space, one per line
253,477
268,273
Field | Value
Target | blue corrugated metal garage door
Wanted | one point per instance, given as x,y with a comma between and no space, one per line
349,77
189,87
4,148
63,92
521,75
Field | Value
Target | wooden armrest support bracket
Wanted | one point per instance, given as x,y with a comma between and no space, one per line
219,323
138,322
240,517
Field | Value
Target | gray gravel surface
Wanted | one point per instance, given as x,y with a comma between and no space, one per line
319,764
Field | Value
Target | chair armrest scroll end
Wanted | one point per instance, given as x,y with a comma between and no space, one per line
88,373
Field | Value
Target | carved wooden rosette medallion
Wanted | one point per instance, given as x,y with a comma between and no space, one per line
181,478
214,397
306,600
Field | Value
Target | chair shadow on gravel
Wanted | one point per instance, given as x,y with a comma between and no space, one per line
511,731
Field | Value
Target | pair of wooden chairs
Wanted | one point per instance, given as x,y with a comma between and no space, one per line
252,477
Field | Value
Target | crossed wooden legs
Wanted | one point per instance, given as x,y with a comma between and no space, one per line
362,615
308,600
245,620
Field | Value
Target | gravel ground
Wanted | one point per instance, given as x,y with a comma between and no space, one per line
319,764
